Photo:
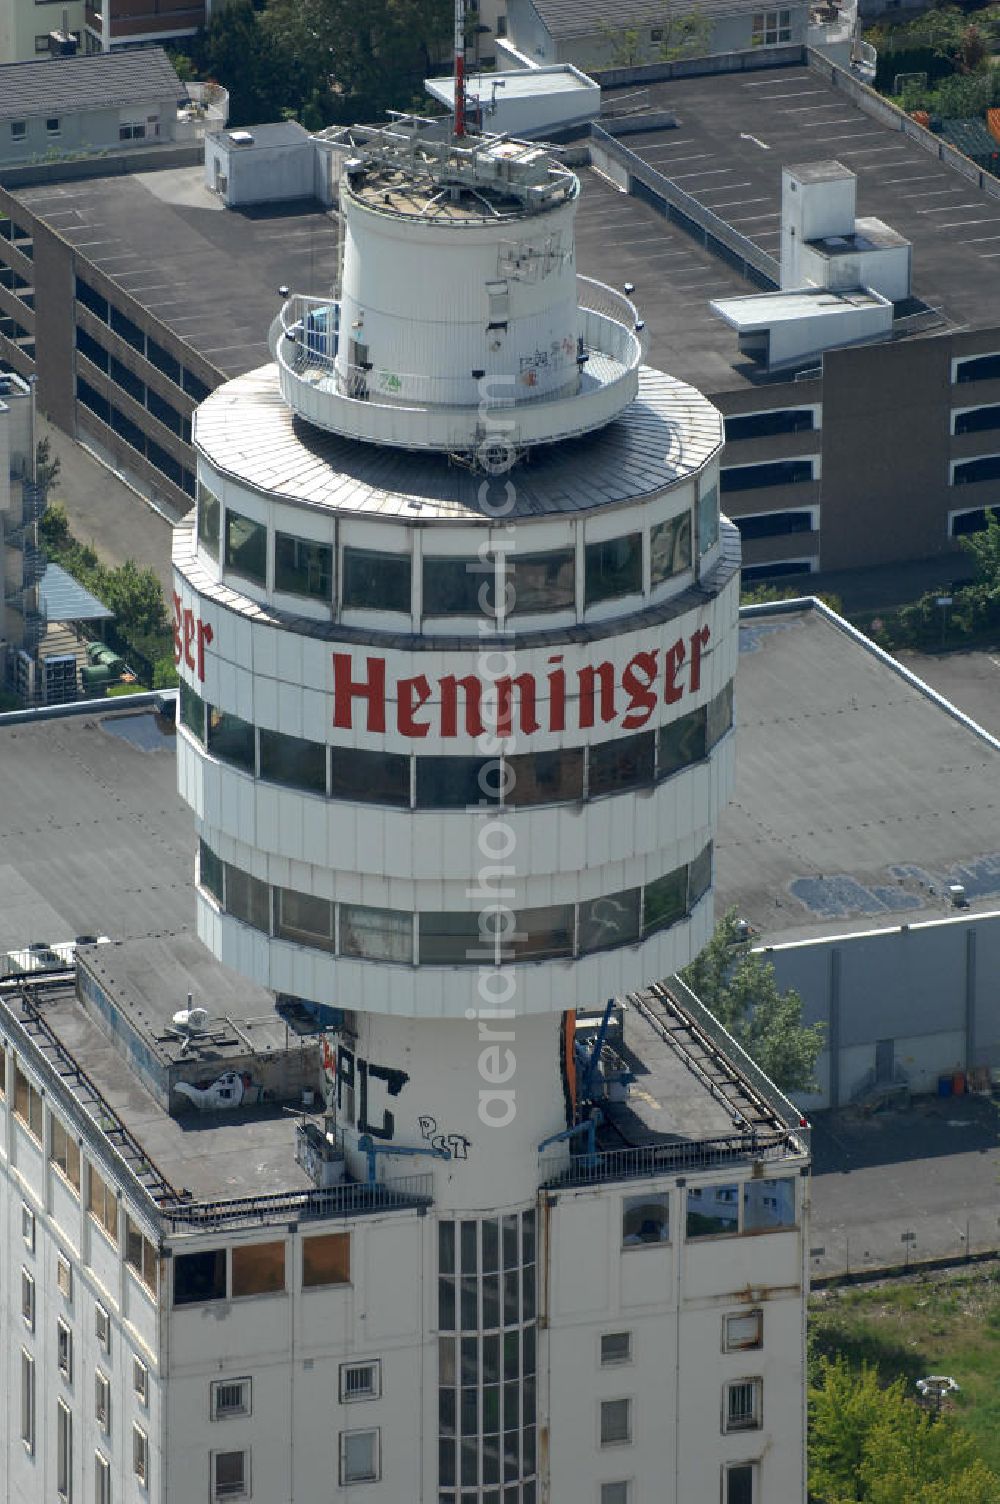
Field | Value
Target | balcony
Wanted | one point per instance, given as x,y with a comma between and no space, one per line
422,411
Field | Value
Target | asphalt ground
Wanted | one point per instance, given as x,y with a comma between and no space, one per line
905,1186
104,512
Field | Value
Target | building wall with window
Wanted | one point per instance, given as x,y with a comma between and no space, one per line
546,34
675,1337
109,371
890,455
25,26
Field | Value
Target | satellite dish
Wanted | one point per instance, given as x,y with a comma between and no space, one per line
190,1020
188,1024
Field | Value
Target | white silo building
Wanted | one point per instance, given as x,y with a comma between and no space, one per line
456,620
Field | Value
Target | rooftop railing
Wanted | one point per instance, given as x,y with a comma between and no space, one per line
594,379
644,1160
405,1192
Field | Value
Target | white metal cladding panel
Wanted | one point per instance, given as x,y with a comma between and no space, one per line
650,832
434,320
301,701
767,1260
444,1086
434,992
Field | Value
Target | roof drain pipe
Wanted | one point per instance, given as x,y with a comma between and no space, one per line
589,1127
368,1146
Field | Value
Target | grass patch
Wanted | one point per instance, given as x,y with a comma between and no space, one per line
936,1323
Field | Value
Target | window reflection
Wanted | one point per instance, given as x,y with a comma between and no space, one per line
670,548
613,567
246,547
302,567
209,519
543,582
452,587
292,761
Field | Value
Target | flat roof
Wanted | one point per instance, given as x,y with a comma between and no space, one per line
245,1151
246,429
211,274
517,83
94,838
88,81
735,131
761,310
858,798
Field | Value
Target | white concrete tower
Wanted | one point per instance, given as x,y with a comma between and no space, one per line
456,627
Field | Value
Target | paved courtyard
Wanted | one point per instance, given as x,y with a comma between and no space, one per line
916,1184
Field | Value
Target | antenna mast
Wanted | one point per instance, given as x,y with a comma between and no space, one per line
459,68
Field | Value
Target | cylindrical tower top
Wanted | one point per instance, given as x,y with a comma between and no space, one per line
489,316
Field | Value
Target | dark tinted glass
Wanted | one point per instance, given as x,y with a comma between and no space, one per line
292,761
304,918
302,567
700,876
542,933
163,360
246,547
665,901
776,473
719,715
451,940
247,898
613,567
457,782
982,368
765,425
452,587
208,520
376,581
681,743
231,739
621,765
543,582
544,777
192,711
210,869
371,777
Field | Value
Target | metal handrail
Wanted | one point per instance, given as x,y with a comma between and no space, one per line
644,1160
306,347
407,1192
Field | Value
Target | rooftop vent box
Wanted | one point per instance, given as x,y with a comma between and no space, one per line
241,138
62,44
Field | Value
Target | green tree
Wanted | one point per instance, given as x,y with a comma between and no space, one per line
984,547
136,598
877,1446
739,987
681,35
236,51
47,465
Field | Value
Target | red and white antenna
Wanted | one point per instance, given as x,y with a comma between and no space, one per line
459,67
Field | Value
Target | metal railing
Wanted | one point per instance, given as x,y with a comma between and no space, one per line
407,1192
304,338
681,209
644,1160
794,1121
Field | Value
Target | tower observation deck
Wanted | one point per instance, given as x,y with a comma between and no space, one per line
456,624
